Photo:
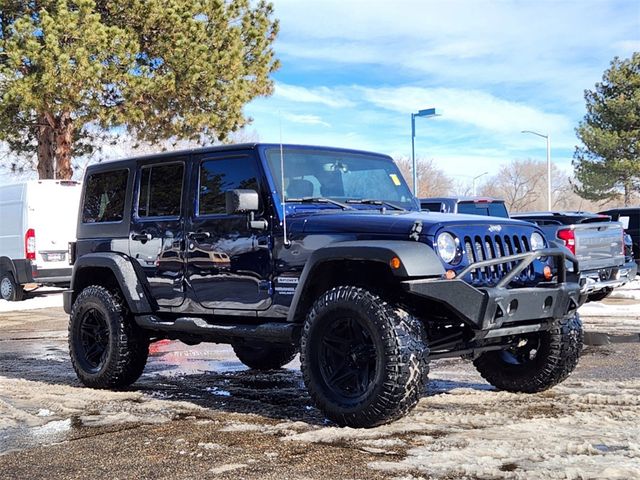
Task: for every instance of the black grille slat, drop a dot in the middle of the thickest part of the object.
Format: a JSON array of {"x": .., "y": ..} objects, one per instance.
[{"x": 478, "y": 249}]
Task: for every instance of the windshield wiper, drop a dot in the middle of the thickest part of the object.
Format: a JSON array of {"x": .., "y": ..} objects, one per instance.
[
  {"x": 343, "y": 206},
  {"x": 373, "y": 201}
]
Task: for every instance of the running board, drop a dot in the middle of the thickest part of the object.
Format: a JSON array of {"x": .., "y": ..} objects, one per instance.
[{"x": 199, "y": 329}]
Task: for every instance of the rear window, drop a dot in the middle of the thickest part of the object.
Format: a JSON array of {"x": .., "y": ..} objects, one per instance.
[
  {"x": 104, "y": 197},
  {"x": 431, "y": 206},
  {"x": 493, "y": 209}
]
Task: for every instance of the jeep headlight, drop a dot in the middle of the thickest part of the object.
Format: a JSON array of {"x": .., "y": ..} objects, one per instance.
[
  {"x": 448, "y": 248},
  {"x": 537, "y": 241}
]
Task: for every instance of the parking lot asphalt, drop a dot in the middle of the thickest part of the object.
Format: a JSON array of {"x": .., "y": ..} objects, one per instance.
[{"x": 197, "y": 412}]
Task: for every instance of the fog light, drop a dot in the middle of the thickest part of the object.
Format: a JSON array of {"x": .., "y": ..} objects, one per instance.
[{"x": 548, "y": 275}]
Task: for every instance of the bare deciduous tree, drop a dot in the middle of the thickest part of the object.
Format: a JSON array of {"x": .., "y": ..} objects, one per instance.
[
  {"x": 523, "y": 186},
  {"x": 432, "y": 182}
]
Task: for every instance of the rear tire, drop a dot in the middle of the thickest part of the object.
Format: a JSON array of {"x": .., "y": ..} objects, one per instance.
[
  {"x": 364, "y": 362},
  {"x": 543, "y": 360},
  {"x": 107, "y": 349},
  {"x": 10, "y": 290},
  {"x": 263, "y": 356}
]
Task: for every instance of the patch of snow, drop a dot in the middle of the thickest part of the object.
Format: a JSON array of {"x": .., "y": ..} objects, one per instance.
[
  {"x": 227, "y": 468},
  {"x": 19, "y": 397},
  {"x": 210, "y": 446},
  {"x": 218, "y": 391},
  {"x": 44, "y": 298}
]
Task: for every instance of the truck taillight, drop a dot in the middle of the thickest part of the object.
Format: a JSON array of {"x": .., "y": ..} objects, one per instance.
[
  {"x": 30, "y": 244},
  {"x": 568, "y": 236}
]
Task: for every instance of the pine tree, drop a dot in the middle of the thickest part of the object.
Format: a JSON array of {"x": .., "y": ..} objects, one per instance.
[
  {"x": 607, "y": 166},
  {"x": 158, "y": 69}
]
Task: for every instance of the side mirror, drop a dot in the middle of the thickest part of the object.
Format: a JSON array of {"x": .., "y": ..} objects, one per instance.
[{"x": 241, "y": 201}]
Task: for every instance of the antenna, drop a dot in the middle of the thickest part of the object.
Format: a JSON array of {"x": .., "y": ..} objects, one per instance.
[{"x": 284, "y": 204}]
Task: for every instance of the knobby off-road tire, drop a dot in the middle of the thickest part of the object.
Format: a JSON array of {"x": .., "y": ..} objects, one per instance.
[
  {"x": 10, "y": 290},
  {"x": 364, "y": 362},
  {"x": 263, "y": 356},
  {"x": 107, "y": 349},
  {"x": 545, "y": 360}
]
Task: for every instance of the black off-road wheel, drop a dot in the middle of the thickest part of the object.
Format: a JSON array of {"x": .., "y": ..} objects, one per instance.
[
  {"x": 537, "y": 361},
  {"x": 264, "y": 356},
  {"x": 10, "y": 290},
  {"x": 364, "y": 361},
  {"x": 107, "y": 349}
]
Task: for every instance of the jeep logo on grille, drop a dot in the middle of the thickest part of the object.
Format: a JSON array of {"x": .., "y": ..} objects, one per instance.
[{"x": 495, "y": 228}]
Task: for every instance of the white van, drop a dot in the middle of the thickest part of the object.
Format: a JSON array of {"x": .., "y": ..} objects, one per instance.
[{"x": 37, "y": 222}]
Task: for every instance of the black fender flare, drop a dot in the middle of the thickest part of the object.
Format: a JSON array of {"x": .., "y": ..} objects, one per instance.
[
  {"x": 124, "y": 271},
  {"x": 417, "y": 259},
  {"x": 6, "y": 265}
]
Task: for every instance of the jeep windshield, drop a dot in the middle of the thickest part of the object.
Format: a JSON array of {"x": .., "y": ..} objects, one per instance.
[{"x": 327, "y": 177}]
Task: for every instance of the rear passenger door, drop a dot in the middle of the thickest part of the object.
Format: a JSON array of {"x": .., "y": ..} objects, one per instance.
[
  {"x": 156, "y": 238},
  {"x": 228, "y": 264}
]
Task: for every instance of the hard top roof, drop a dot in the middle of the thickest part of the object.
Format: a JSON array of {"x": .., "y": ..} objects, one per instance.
[{"x": 222, "y": 148}]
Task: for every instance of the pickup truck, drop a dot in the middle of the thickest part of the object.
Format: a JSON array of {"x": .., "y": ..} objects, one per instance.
[
  {"x": 491, "y": 207},
  {"x": 597, "y": 243}
]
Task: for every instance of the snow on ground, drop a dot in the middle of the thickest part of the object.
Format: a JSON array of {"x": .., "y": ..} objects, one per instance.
[
  {"x": 578, "y": 430},
  {"x": 630, "y": 291},
  {"x": 25, "y": 403},
  {"x": 41, "y": 298}
]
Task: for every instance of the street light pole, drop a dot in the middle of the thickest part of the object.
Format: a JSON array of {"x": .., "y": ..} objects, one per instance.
[
  {"x": 473, "y": 189},
  {"x": 547, "y": 137},
  {"x": 427, "y": 112}
]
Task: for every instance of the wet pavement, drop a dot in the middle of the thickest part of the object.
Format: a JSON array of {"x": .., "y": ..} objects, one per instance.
[{"x": 197, "y": 412}]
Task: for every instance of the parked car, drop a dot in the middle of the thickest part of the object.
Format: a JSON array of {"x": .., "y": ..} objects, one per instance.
[
  {"x": 326, "y": 252},
  {"x": 630, "y": 219},
  {"x": 38, "y": 220},
  {"x": 597, "y": 243},
  {"x": 472, "y": 205}
]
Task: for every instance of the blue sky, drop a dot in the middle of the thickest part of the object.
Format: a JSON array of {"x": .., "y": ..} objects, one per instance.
[{"x": 353, "y": 71}]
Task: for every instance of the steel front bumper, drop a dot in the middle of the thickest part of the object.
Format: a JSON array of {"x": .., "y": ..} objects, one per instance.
[{"x": 501, "y": 307}]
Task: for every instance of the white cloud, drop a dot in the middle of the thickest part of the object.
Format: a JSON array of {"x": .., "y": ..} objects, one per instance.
[
  {"x": 321, "y": 95},
  {"x": 305, "y": 119},
  {"x": 474, "y": 107}
]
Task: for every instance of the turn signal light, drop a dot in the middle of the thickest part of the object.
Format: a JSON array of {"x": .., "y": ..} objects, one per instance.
[
  {"x": 548, "y": 275},
  {"x": 395, "y": 263},
  {"x": 450, "y": 275}
]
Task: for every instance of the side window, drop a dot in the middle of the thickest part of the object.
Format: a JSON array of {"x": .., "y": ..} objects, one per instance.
[
  {"x": 160, "y": 190},
  {"x": 104, "y": 197},
  {"x": 219, "y": 175}
]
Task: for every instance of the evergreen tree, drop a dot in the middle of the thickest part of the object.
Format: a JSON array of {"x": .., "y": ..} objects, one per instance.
[
  {"x": 607, "y": 166},
  {"x": 159, "y": 69}
]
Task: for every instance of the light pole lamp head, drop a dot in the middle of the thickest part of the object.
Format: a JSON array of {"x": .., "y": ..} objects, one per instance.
[{"x": 427, "y": 112}]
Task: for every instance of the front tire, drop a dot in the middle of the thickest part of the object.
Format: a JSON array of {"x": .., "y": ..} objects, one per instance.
[
  {"x": 262, "y": 356},
  {"x": 537, "y": 362},
  {"x": 10, "y": 290},
  {"x": 364, "y": 362},
  {"x": 107, "y": 349}
]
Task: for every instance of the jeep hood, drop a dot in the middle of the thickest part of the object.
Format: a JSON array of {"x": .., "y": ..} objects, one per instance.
[{"x": 391, "y": 223}]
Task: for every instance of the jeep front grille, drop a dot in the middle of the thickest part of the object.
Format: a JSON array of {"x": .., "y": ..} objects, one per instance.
[{"x": 479, "y": 248}]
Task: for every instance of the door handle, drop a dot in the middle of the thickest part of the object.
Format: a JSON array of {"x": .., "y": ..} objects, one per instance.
[
  {"x": 198, "y": 235},
  {"x": 141, "y": 237}
]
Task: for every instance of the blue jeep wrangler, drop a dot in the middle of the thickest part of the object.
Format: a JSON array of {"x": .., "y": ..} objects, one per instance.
[{"x": 285, "y": 249}]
